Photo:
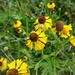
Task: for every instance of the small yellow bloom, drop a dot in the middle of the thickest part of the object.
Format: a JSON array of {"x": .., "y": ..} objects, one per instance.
[
  {"x": 18, "y": 30},
  {"x": 17, "y": 24},
  {"x": 51, "y": 5},
  {"x": 72, "y": 40},
  {"x": 17, "y": 67},
  {"x": 25, "y": 58},
  {"x": 3, "y": 64},
  {"x": 37, "y": 39},
  {"x": 43, "y": 23},
  {"x": 63, "y": 32}
]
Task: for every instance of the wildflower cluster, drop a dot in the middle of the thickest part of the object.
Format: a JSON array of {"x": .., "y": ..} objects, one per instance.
[
  {"x": 17, "y": 27},
  {"x": 16, "y": 67}
]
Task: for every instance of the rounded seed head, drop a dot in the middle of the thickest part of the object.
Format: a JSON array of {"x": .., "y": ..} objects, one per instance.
[
  {"x": 0, "y": 63},
  {"x": 33, "y": 37},
  {"x": 41, "y": 19},
  {"x": 13, "y": 72},
  {"x": 59, "y": 25}
]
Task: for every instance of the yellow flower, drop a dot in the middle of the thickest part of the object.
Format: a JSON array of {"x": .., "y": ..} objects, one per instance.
[
  {"x": 17, "y": 67},
  {"x": 17, "y": 24},
  {"x": 72, "y": 40},
  {"x": 18, "y": 30},
  {"x": 37, "y": 39},
  {"x": 51, "y": 5},
  {"x": 3, "y": 64},
  {"x": 25, "y": 58},
  {"x": 43, "y": 23},
  {"x": 63, "y": 32}
]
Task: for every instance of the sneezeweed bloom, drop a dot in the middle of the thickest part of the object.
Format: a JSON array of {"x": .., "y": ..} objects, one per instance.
[
  {"x": 72, "y": 41},
  {"x": 61, "y": 29},
  {"x": 51, "y": 5},
  {"x": 18, "y": 67},
  {"x": 25, "y": 58},
  {"x": 18, "y": 30},
  {"x": 17, "y": 24},
  {"x": 43, "y": 23},
  {"x": 37, "y": 39},
  {"x": 3, "y": 64}
]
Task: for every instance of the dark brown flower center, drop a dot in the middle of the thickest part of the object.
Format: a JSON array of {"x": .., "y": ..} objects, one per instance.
[
  {"x": 13, "y": 72},
  {"x": 41, "y": 19},
  {"x": 33, "y": 37},
  {"x": 50, "y": 3},
  {"x": 17, "y": 29},
  {"x": 0, "y": 63},
  {"x": 15, "y": 22},
  {"x": 59, "y": 25}
]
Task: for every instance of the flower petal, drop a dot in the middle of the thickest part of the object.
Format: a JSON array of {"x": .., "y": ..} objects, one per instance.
[
  {"x": 44, "y": 39},
  {"x": 42, "y": 34},
  {"x": 30, "y": 44},
  {"x": 18, "y": 63},
  {"x": 39, "y": 45},
  {"x": 11, "y": 65}
]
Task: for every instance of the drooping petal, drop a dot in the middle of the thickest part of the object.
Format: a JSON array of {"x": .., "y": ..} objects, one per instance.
[
  {"x": 30, "y": 44},
  {"x": 18, "y": 63},
  {"x": 36, "y": 21},
  {"x": 39, "y": 45},
  {"x": 53, "y": 30},
  {"x": 49, "y": 20},
  {"x": 67, "y": 29},
  {"x": 64, "y": 36},
  {"x": 37, "y": 26},
  {"x": 11, "y": 65},
  {"x": 44, "y": 39},
  {"x": 23, "y": 68},
  {"x": 47, "y": 17},
  {"x": 26, "y": 74},
  {"x": 48, "y": 25},
  {"x": 22, "y": 71},
  {"x": 72, "y": 40},
  {"x": 42, "y": 34}
]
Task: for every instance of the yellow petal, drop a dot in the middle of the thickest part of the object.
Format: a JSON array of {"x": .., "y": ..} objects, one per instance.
[
  {"x": 44, "y": 39},
  {"x": 26, "y": 74},
  {"x": 11, "y": 65},
  {"x": 18, "y": 63},
  {"x": 37, "y": 26},
  {"x": 47, "y": 17},
  {"x": 23, "y": 71},
  {"x": 53, "y": 30},
  {"x": 4, "y": 64},
  {"x": 42, "y": 34},
  {"x": 1, "y": 59},
  {"x": 30, "y": 44},
  {"x": 39, "y": 45},
  {"x": 49, "y": 20},
  {"x": 23, "y": 68},
  {"x": 72, "y": 40},
  {"x": 64, "y": 36},
  {"x": 48, "y": 25},
  {"x": 36, "y": 21}
]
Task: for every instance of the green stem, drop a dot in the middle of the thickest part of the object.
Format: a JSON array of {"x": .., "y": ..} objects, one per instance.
[{"x": 36, "y": 71}]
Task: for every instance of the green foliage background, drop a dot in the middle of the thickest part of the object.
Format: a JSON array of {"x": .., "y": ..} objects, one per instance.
[{"x": 58, "y": 57}]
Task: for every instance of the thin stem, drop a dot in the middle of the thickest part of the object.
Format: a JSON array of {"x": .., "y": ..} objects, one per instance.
[
  {"x": 36, "y": 71},
  {"x": 12, "y": 41},
  {"x": 6, "y": 55}
]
